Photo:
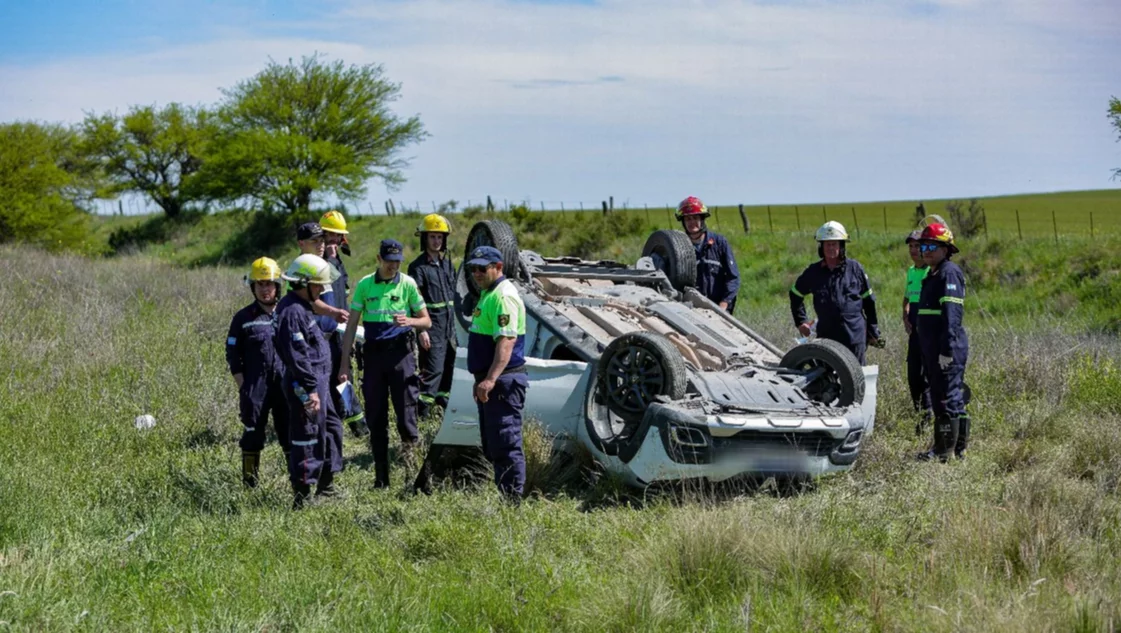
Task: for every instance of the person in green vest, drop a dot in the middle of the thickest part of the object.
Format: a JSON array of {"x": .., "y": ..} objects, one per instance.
[
  {"x": 390, "y": 307},
  {"x": 916, "y": 379}
]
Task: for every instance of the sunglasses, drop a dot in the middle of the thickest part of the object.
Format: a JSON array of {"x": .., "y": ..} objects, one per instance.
[
  {"x": 928, "y": 248},
  {"x": 477, "y": 269}
]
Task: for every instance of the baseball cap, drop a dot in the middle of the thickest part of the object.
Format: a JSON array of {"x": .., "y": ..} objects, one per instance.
[
  {"x": 485, "y": 255},
  {"x": 392, "y": 251},
  {"x": 309, "y": 230}
]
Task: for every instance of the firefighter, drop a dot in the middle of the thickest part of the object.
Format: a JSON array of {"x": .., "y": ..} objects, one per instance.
[
  {"x": 943, "y": 341},
  {"x": 256, "y": 368},
  {"x": 389, "y": 305},
  {"x": 718, "y": 277},
  {"x": 435, "y": 278},
  {"x": 315, "y": 431},
  {"x": 843, "y": 299},
  {"x": 311, "y": 240},
  {"x": 916, "y": 380},
  {"x": 335, "y": 237},
  {"x": 496, "y": 357}
]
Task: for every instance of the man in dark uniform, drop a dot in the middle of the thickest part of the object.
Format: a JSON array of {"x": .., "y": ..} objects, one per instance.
[
  {"x": 916, "y": 380},
  {"x": 944, "y": 343},
  {"x": 496, "y": 357},
  {"x": 843, "y": 299},
  {"x": 334, "y": 233},
  {"x": 718, "y": 277},
  {"x": 315, "y": 431},
  {"x": 435, "y": 278},
  {"x": 257, "y": 369},
  {"x": 389, "y": 306}
]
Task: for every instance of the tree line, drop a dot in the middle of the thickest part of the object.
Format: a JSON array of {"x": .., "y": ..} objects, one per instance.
[{"x": 280, "y": 141}]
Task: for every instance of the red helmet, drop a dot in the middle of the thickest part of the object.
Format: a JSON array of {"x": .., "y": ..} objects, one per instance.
[
  {"x": 692, "y": 206},
  {"x": 939, "y": 234}
]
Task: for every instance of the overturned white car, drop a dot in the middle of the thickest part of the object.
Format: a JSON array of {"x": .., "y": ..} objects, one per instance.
[{"x": 656, "y": 381}]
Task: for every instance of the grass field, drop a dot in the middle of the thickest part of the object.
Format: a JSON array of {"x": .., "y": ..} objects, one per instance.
[{"x": 104, "y": 527}]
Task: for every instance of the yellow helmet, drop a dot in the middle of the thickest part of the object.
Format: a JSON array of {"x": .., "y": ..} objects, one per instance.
[
  {"x": 433, "y": 223},
  {"x": 334, "y": 222},
  {"x": 264, "y": 269}
]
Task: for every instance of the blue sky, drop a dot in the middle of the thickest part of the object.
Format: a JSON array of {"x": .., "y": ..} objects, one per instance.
[{"x": 763, "y": 102}]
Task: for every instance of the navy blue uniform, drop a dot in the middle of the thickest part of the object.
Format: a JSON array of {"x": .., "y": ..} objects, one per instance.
[
  {"x": 317, "y": 440},
  {"x": 941, "y": 310},
  {"x": 843, "y": 301},
  {"x": 718, "y": 277},
  {"x": 500, "y": 314},
  {"x": 436, "y": 281},
  {"x": 250, "y": 351}
]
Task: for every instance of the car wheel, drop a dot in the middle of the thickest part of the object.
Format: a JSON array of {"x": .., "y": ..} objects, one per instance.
[
  {"x": 636, "y": 368},
  {"x": 842, "y": 382},
  {"x": 673, "y": 254}
]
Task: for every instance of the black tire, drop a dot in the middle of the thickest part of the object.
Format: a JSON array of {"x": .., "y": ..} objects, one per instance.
[
  {"x": 498, "y": 234},
  {"x": 634, "y": 369},
  {"x": 678, "y": 257},
  {"x": 494, "y": 233},
  {"x": 843, "y": 382}
]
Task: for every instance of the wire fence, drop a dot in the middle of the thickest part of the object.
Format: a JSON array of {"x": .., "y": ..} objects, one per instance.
[{"x": 1019, "y": 217}]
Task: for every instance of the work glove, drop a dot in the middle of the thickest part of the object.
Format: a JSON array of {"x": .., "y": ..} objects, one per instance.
[{"x": 945, "y": 361}]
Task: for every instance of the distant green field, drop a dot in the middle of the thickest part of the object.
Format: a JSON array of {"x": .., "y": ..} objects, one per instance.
[{"x": 1074, "y": 212}]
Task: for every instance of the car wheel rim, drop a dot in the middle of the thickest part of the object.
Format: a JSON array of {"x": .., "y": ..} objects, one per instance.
[{"x": 634, "y": 378}]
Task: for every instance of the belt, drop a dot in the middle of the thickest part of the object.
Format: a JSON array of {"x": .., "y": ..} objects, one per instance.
[
  {"x": 520, "y": 369},
  {"x": 401, "y": 340}
]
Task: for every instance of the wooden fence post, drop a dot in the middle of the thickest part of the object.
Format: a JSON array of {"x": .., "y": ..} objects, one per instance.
[
  {"x": 770, "y": 220},
  {"x": 1091, "y": 225},
  {"x": 885, "y": 219},
  {"x": 797, "y": 217},
  {"x": 1019, "y": 231},
  {"x": 604, "y": 207},
  {"x": 824, "y": 217},
  {"x": 855, "y": 223},
  {"x": 747, "y": 225},
  {"x": 716, "y": 214},
  {"x": 1055, "y": 225},
  {"x": 647, "y": 208}
]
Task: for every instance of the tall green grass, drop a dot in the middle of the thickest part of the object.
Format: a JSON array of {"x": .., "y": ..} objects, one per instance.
[{"x": 104, "y": 527}]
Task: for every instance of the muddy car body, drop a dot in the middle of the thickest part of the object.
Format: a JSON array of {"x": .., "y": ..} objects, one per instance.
[{"x": 634, "y": 365}]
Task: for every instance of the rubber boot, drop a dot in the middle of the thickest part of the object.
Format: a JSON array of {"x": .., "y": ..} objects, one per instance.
[
  {"x": 326, "y": 485},
  {"x": 250, "y": 468},
  {"x": 301, "y": 496},
  {"x": 945, "y": 435},
  {"x": 381, "y": 474},
  {"x": 359, "y": 428},
  {"x": 963, "y": 436}
]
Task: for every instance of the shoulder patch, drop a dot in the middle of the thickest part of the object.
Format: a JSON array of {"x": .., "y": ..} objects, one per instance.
[
  {"x": 231, "y": 340},
  {"x": 503, "y": 320},
  {"x": 951, "y": 286}
]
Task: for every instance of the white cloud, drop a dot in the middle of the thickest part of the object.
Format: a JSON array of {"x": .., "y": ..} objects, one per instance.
[{"x": 929, "y": 97}]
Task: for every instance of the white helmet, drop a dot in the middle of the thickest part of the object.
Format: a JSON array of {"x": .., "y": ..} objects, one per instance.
[
  {"x": 310, "y": 269},
  {"x": 831, "y": 231}
]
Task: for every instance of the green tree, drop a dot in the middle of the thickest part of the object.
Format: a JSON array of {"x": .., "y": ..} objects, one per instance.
[
  {"x": 43, "y": 181},
  {"x": 154, "y": 152},
  {"x": 295, "y": 132},
  {"x": 1115, "y": 119}
]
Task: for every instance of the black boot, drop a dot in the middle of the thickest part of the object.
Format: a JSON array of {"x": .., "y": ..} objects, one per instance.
[
  {"x": 359, "y": 428},
  {"x": 326, "y": 486},
  {"x": 945, "y": 436},
  {"x": 963, "y": 436},
  {"x": 250, "y": 468},
  {"x": 381, "y": 474},
  {"x": 301, "y": 496}
]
